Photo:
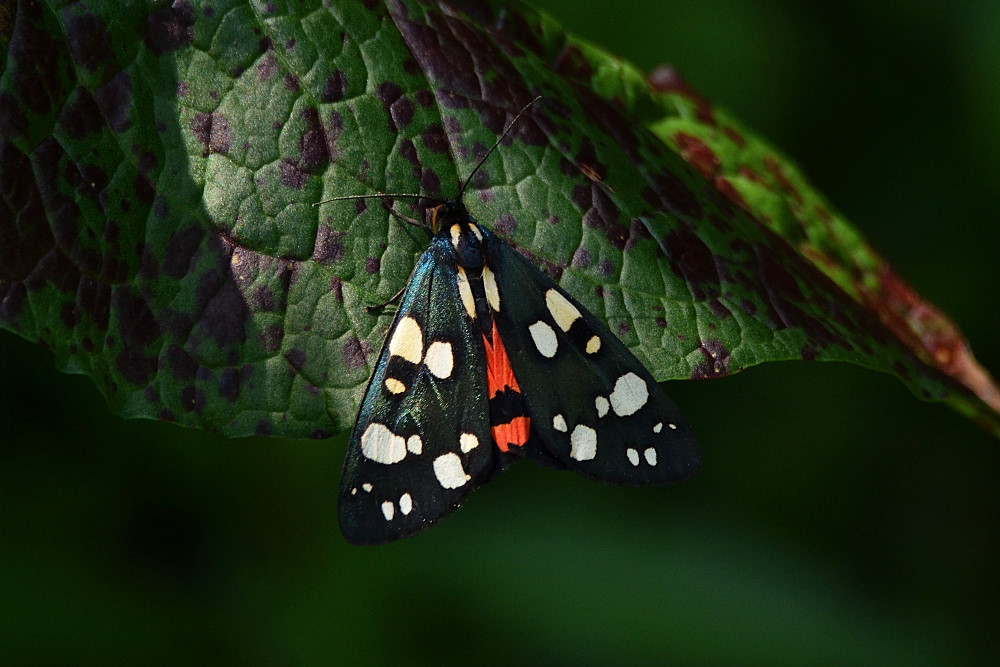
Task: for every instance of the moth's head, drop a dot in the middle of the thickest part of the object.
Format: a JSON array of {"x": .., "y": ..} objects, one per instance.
[{"x": 445, "y": 214}]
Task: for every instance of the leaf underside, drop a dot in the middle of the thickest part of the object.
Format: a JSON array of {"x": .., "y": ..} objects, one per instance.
[{"x": 159, "y": 170}]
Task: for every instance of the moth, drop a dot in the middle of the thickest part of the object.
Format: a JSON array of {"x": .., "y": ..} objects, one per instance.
[{"x": 487, "y": 361}]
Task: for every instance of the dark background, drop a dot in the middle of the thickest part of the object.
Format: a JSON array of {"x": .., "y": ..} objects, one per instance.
[{"x": 836, "y": 520}]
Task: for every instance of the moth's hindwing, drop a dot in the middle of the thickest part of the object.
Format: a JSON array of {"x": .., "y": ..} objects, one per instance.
[
  {"x": 421, "y": 442},
  {"x": 595, "y": 407}
]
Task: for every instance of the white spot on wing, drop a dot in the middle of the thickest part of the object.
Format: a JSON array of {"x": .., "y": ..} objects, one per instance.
[
  {"x": 467, "y": 442},
  {"x": 633, "y": 456},
  {"x": 492, "y": 293},
  {"x": 440, "y": 361},
  {"x": 583, "y": 443},
  {"x": 466, "y": 293},
  {"x": 658, "y": 427},
  {"x": 405, "y": 504},
  {"x": 407, "y": 340},
  {"x": 381, "y": 445},
  {"x": 449, "y": 471},
  {"x": 394, "y": 386},
  {"x": 650, "y": 455},
  {"x": 388, "y": 510},
  {"x": 545, "y": 339},
  {"x": 629, "y": 395},
  {"x": 414, "y": 444},
  {"x": 594, "y": 344},
  {"x": 367, "y": 487},
  {"x": 563, "y": 312},
  {"x": 559, "y": 423},
  {"x": 602, "y": 406},
  {"x": 673, "y": 426}
]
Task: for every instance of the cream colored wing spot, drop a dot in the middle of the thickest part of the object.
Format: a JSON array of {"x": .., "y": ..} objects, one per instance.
[
  {"x": 650, "y": 456},
  {"x": 545, "y": 339},
  {"x": 467, "y": 442},
  {"x": 465, "y": 291},
  {"x": 583, "y": 443},
  {"x": 407, "y": 340},
  {"x": 381, "y": 445},
  {"x": 449, "y": 471},
  {"x": 562, "y": 311},
  {"x": 440, "y": 360},
  {"x": 492, "y": 292},
  {"x": 629, "y": 395}
]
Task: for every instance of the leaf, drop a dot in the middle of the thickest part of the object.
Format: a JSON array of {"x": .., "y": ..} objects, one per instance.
[{"x": 159, "y": 169}]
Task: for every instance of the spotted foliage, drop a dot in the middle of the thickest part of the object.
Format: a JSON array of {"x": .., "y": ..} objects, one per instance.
[{"x": 158, "y": 166}]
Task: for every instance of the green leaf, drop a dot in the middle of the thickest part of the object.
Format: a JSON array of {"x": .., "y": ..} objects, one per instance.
[{"x": 160, "y": 166}]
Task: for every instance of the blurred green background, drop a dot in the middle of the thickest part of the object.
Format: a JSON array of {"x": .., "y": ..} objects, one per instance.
[{"x": 837, "y": 520}]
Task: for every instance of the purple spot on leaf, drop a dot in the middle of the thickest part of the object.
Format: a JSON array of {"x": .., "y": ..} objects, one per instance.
[
  {"x": 581, "y": 258},
  {"x": 353, "y": 354},
  {"x": 435, "y": 139},
  {"x": 297, "y": 359},
  {"x": 267, "y": 68},
  {"x": 88, "y": 41},
  {"x": 270, "y": 338},
  {"x": 334, "y": 87},
  {"x": 224, "y": 316},
  {"x": 313, "y": 151},
  {"x": 81, "y": 115},
  {"x": 505, "y": 224},
  {"x": 263, "y": 299},
  {"x": 424, "y": 98},
  {"x": 716, "y": 361},
  {"x": 430, "y": 181},
  {"x": 329, "y": 245},
  {"x": 670, "y": 192},
  {"x": 180, "y": 251},
  {"x": 719, "y": 309},
  {"x": 182, "y": 365},
  {"x": 170, "y": 28},
  {"x": 213, "y": 132},
  {"x": 229, "y": 384},
  {"x": 337, "y": 288},
  {"x": 692, "y": 260},
  {"x": 292, "y": 175},
  {"x": 402, "y": 112},
  {"x": 408, "y": 151}
]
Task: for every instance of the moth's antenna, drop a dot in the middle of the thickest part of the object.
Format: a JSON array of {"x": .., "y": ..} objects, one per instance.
[
  {"x": 379, "y": 195},
  {"x": 505, "y": 133}
]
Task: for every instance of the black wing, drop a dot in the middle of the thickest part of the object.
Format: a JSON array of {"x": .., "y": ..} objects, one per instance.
[
  {"x": 594, "y": 406},
  {"x": 421, "y": 442}
]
